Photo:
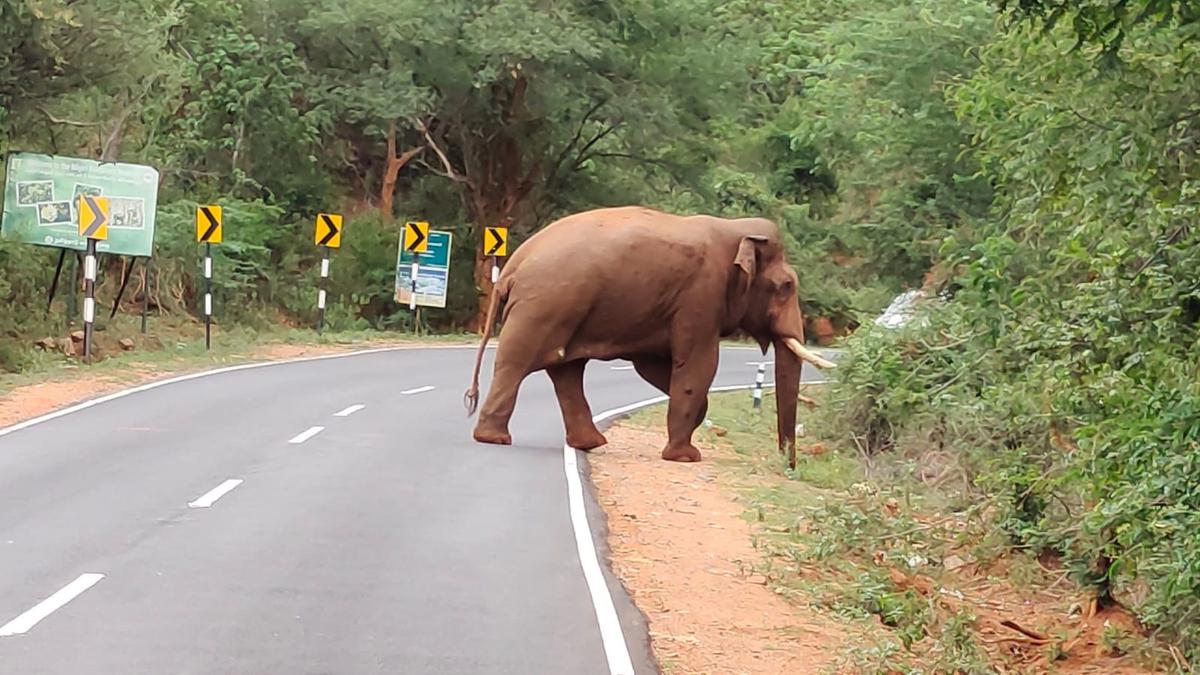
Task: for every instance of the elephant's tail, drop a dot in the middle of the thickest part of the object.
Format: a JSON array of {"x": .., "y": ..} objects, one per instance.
[{"x": 471, "y": 398}]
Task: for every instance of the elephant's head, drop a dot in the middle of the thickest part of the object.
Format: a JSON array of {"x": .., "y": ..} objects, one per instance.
[{"x": 762, "y": 302}]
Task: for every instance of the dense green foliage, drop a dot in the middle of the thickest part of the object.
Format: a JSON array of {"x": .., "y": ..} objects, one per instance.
[{"x": 1062, "y": 373}]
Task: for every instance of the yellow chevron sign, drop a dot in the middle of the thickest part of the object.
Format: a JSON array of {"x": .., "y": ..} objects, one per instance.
[
  {"x": 93, "y": 217},
  {"x": 209, "y": 224}
]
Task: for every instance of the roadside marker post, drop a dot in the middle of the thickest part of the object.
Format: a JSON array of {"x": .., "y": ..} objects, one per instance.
[
  {"x": 416, "y": 241},
  {"x": 209, "y": 230},
  {"x": 328, "y": 236},
  {"x": 758, "y": 386},
  {"x": 93, "y": 225}
]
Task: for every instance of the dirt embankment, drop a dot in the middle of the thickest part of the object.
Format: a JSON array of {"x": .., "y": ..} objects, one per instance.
[
  {"x": 681, "y": 547},
  {"x": 684, "y": 550}
]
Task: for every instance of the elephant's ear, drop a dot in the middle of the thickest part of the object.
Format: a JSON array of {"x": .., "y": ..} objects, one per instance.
[{"x": 741, "y": 278}]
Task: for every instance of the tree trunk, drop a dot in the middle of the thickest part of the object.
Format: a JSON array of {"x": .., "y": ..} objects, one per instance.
[
  {"x": 483, "y": 282},
  {"x": 391, "y": 171}
]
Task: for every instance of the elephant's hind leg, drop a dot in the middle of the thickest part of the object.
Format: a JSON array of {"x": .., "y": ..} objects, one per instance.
[
  {"x": 526, "y": 345},
  {"x": 510, "y": 370},
  {"x": 582, "y": 433}
]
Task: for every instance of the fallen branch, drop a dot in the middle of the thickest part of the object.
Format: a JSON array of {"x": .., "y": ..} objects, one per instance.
[
  {"x": 1009, "y": 623},
  {"x": 810, "y": 402}
]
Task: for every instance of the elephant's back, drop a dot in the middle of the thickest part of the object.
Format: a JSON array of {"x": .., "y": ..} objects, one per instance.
[
  {"x": 608, "y": 236},
  {"x": 595, "y": 259}
]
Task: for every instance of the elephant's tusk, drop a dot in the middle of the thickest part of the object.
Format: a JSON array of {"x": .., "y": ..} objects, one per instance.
[{"x": 801, "y": 351}]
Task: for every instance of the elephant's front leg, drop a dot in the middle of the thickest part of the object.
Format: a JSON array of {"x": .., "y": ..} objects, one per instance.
[
  {"x": 582, "y": 433},
  {"x": 691, "y": 376}
]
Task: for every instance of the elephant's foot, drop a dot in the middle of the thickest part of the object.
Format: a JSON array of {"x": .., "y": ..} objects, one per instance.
[
  {"x": 585, "y": 439},
  {"x": 483, "y": 434},
  {"x": 681, "y": 453}
]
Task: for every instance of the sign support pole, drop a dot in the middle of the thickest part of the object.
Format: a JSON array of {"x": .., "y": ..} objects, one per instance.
[
  {"x": 62, "y": 255},
  {"x": 147, "y": 268},
  {"x": 73, "y": 291},
  {"x": 321, "y": 289},
  {"x": 89, "y": 298},
  {"x": 125, "y": 274},
  {"x": 412, "y": 296},
  {"x": 208, "y": 272}
]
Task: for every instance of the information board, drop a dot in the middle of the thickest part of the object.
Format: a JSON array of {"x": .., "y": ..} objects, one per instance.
[
  {"x": 433, "y": 271},
  {"x": 41, "y": 197}
]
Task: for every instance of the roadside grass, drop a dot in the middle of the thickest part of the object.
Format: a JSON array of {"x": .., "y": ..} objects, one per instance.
[
  {"x": 174, "y": 343},
  {"x": 915, "y": 569}
]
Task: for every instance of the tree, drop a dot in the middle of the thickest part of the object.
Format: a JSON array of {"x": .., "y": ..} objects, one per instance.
[{"x": 513, "y": 98}]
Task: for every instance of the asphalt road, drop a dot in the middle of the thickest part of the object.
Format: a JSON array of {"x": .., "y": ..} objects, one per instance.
[{"x": 236, "y": 523}]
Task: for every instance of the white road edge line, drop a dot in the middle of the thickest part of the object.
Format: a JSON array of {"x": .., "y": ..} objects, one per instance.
[
  {"x": 349, "y": 410},
  {"x": 45, "y": 608},
  {"x": 208, "y": 373},
  {"x": 611, "y": 634},
  {"x": 418, "y": 390},
  {"x": 214, "y": 494},
  {"x": 306, "y": 434}
]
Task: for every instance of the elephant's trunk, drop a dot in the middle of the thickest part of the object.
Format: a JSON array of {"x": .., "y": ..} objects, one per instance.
[{"x": 787, "y": 391}]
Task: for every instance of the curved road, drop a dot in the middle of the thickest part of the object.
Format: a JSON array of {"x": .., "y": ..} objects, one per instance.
[{"x": 322, "y": 516}]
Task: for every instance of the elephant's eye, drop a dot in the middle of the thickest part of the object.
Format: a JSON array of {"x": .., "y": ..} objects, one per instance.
[{"x": 786, "y": 286}]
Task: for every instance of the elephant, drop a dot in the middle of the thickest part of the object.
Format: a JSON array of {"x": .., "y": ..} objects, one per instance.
[{"x": 654, "y": 288}]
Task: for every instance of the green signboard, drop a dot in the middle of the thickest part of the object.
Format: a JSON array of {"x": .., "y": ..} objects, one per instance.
[
  {"x": 41, "y": 195},
  {"x": 433, "y": 271}
]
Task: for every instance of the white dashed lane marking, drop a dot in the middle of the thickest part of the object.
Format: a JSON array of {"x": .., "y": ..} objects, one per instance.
[
  {"x": 45, "y": 608},
  {"x": 214, "y": 494},
  {"x": 307, "y": 434},
  {"x": 418, "y": 390},
  {"x": 349, "y": 411}
]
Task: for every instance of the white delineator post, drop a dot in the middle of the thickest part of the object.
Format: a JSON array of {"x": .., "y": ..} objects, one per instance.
[
  {"x": 758, "y": 386},
  {"x": 412, "y": 296},
  {"x": 89, "y": 298},
  {"x": 321, "y": 290},
  {"x": 208, "y": 267}
]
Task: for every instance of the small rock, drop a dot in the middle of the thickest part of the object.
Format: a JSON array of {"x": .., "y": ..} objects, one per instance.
[
  {"x": 77, "y": 336},
  {"x": 953, "y": 562},
  {"x": 67, "y": 346},
  {"x": 816, "y": 449},
  {"x": 891, "y": 507},
  {"x": 720, "y": 431},
  {"x": 126, "y": 344}
]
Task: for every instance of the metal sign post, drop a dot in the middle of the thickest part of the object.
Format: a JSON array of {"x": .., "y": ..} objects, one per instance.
[
  {"x": 416, "y": 241},
  {"x": 328, "y": 235},
  {"x": 321, "y": 289},
  {"x": 210, "y": 229},
  {"x": 93, "y": 225}
]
